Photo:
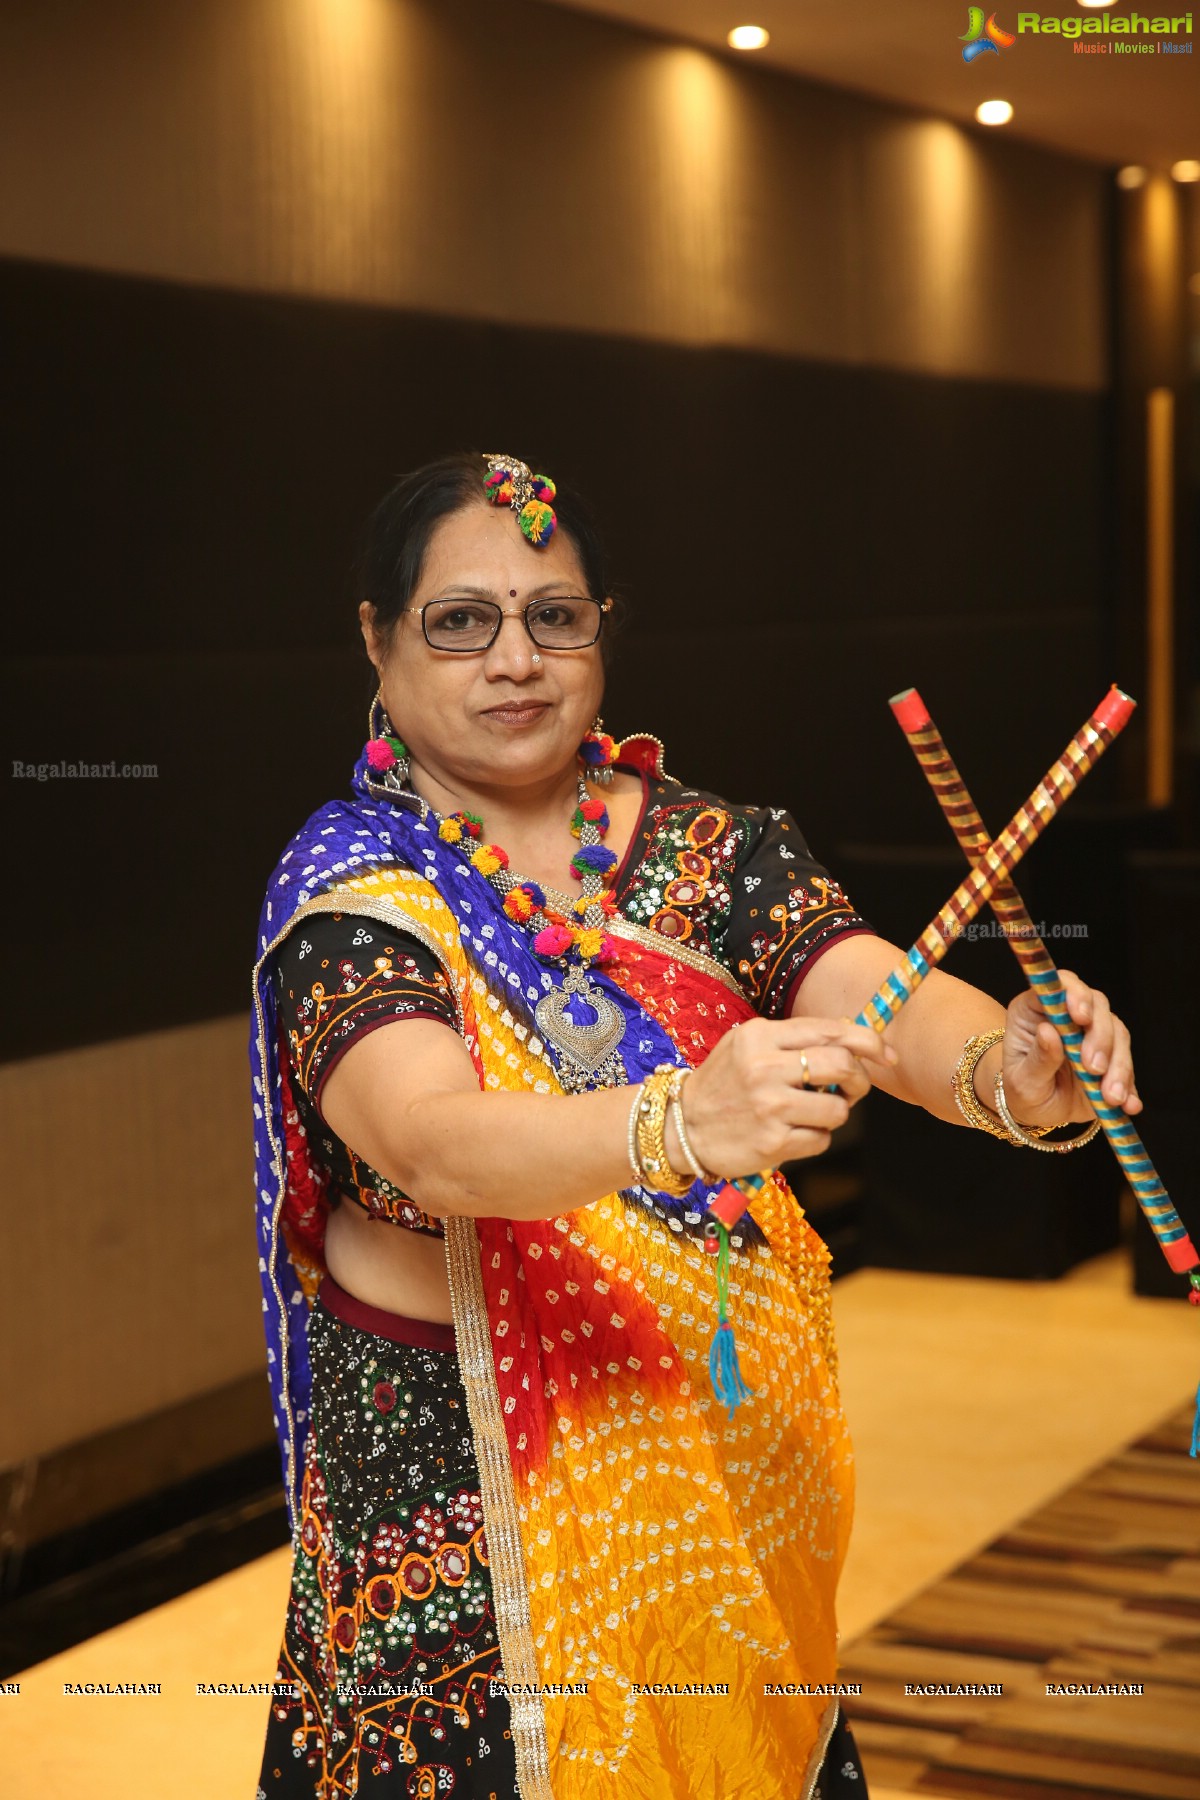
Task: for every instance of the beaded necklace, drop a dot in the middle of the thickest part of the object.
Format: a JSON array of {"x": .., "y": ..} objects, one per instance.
[{"x": 577, "y": 1018}]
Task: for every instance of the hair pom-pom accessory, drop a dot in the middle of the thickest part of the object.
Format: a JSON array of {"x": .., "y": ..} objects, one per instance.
[
  {"x": 510, "y": 482},
  {"x": 498, "y": 486},
  {"x": 537, "y": 522}
]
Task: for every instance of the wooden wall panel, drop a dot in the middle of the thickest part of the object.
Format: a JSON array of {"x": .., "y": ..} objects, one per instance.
[
  {"x": 796, "y": 539},
  {"x": 126, "y": 1233},
  {"x": 547, "y": 169}
]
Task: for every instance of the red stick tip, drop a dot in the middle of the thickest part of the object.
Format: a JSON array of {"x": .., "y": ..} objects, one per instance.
[
  {"x": 728, "y": 1205},
  {"x": 1115, "y": 709},
  {"x": 910, "y": 711},
  {"x": 1181, "y": 1255}
]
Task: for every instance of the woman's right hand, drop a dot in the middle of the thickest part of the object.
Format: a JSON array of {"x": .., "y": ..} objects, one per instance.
[{"x": 758, "y": 1100}]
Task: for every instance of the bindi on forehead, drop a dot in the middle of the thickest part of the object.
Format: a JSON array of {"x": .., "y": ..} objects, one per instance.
[{"x": 512, "y": 593}]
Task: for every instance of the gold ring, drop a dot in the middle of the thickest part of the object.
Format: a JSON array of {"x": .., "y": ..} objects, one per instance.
[{"x": 804, "y": 1078}]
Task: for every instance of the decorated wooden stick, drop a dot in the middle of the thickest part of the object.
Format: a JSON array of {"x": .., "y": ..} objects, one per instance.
[
  {"x": 992, "y": 865},
  {"x": 1043, "y": 977},
  {"x": 994, "y": 861}
]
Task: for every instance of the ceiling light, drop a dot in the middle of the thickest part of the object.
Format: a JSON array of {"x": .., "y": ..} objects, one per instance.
[
  {"x": 1187, "y": 170},
  {"x": 1131, "y": 176},
  {"x": 748, "y": 37},
  {"x": 1095, "y": 2},
  {"x": 993, "y": 112}
]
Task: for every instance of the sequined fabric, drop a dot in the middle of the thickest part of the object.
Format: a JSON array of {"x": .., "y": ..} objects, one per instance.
[{"x": 391, "y": 1638}]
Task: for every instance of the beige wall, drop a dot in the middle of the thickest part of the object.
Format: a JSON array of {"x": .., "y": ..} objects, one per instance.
[
  {"x": 535, "y": 165},
  {"x": 126, "y": 1233}
]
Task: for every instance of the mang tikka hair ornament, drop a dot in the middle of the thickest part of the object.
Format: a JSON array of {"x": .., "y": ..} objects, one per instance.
[{"x": 510, "y": 482}]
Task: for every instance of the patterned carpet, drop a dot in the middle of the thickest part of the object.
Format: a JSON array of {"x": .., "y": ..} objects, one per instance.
[{"x": 1100, "y": 1587}]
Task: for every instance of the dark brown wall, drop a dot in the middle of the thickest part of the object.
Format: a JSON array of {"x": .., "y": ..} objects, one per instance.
[{"x": 796, "y": 541}]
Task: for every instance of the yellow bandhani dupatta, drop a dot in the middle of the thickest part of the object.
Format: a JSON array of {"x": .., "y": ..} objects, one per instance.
[{"x": 663, "y": 1575}]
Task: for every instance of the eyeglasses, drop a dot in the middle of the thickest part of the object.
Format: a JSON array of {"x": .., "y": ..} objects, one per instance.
[{"x": 554, "y": 622}]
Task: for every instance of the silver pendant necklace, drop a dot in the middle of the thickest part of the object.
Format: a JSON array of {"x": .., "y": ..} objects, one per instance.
[
  {"x": 578, "y": 1019},
  {"x": 588, "y": 1049}
]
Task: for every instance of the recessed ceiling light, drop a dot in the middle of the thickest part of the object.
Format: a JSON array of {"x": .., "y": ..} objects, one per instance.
[
  {"x": 1131, "y": 176},
  {"x": 993, "y": 112},
  {"x": 1187, "y": 170},
  {"x": 748, "y": 37},
  {"x": 1095, "y": 2}
]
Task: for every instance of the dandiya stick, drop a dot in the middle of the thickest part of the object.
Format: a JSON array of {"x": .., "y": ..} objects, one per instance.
[
  {"x": 1043, "y": 977},
  {"x": 992, "y": 866},
  {"x": 994, "y": 861}
]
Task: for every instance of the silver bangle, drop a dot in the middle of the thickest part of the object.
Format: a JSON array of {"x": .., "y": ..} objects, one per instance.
[
  {"x": 1021, "y": 1135},
  {"x": 689, "y": 1155}
]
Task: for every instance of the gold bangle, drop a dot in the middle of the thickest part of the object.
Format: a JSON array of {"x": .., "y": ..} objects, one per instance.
[
  {"x": 1021, "y": 1134},
  {"x": 962, "y": 1084},
  {"x": 689, "y": 1155},
  {"x": 657, "y": 1171},
  {"x": 631, "y": 1141}
]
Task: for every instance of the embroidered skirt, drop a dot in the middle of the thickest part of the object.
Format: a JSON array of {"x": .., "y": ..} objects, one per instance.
[
  {"x": 390, "y": 1647},
  {"x": 384, "y": 1683}
]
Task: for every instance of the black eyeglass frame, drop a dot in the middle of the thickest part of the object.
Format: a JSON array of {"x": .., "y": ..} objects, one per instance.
[{"x": 602, "y": 607}]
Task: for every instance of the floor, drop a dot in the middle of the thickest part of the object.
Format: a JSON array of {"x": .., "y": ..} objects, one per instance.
[
  {"x": 972, "y": 1401},
  {"x": 1097, "y": 1588}
]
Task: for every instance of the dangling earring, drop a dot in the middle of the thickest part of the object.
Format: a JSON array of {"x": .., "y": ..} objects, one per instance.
[
  {"x": 597, "y": 753},
  {"x": 387, "y": 754}
]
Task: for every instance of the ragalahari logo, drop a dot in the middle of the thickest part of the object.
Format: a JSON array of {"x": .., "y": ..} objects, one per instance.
[{"x": 982, "y": 35}]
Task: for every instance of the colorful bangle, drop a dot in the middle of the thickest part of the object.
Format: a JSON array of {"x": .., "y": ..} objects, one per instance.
[
  {"x": 1021, "y": 1134},
  {"x": 657, "y": 1172},
  {"x": 689, "y": 1155}
]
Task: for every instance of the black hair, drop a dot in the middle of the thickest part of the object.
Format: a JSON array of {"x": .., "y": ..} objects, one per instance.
[{"x": 396, "y": 538}]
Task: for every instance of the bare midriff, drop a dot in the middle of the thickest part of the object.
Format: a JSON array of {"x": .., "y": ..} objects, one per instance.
[
  {"x": 388, "y": 1266},
  {"x": 404, "y": 1271}
]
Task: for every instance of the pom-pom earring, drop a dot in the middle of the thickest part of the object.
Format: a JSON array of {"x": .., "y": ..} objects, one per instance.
[
  {"x": 386, "y": 751},
  {"x": 598, "y": 753}
]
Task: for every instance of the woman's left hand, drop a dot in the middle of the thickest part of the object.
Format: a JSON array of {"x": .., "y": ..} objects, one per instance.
[{"x": 1038, "y": 1081}]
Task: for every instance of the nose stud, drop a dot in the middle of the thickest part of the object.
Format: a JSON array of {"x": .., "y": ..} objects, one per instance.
[{"x": 535, "y": 657}]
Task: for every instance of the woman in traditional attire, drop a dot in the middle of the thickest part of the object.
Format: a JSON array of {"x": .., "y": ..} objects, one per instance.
[{"x": 570, "y": 1491}]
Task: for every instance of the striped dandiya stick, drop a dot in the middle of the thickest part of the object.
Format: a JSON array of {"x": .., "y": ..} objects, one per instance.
[
  {"x": 1039, "y": 970},
  {"x": 992, "y": 864},
  {"x": 994, "y": 861}
]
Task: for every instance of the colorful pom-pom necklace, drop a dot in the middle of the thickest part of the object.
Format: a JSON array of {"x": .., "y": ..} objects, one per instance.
[
  {"x": 577, "y": 1018},
  {"x": 558, "y": 937},
  {"x": 581, "y": 939},
  {"x": 510, "y": 482}
]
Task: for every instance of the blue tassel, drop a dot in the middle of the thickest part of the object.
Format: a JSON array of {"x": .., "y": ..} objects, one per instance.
[
  {"x": 1195, "y": 1451},
  {"x": 723, "y": 1369}
]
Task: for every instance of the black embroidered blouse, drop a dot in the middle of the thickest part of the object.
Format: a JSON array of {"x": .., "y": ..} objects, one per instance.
[{"x": 737, "y": 883}]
